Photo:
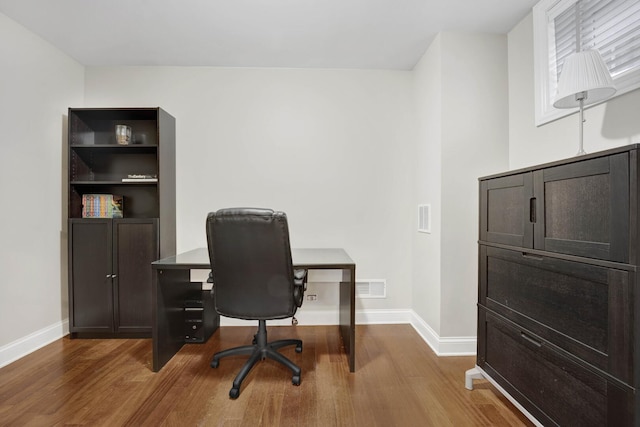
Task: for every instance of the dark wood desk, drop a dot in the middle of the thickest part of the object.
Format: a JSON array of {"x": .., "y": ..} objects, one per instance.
[{"x": 171, "y": 284}]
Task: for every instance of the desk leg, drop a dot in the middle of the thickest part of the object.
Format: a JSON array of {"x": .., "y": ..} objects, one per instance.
[
  {"x": 348, "y": 314},
  {"x": 169, "y": 289}
]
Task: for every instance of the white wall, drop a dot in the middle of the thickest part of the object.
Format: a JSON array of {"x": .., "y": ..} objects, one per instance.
[
  {"x": 332, "y": 148},
  {"x": 38, "y": 84},
  {"x": 474, "y": 144},
  {"x": 610, "y": 124},
  {"x": 349, "y": 154},
  {"x": 426, "y": 288},
  {"x": 461, "y": 90}
]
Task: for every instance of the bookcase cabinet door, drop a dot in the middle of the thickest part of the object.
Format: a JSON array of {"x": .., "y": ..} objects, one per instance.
[
  {"x": 583, "y": 208},
  {"x": 110, "y": 265},
  {"x": 135, "y": 247},
  {"x": 90, "y": 284},
  {"x": 505, "y": 213}
]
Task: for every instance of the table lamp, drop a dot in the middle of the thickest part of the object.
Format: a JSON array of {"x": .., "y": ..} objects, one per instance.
[{"x": 585, "y": 80}]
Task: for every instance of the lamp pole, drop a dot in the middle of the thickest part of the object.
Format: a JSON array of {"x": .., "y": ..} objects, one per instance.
[{"x": 581, "y": 97}]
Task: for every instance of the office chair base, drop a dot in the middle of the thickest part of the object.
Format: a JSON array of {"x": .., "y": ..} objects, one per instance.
[{"x": 259, "y": 350}]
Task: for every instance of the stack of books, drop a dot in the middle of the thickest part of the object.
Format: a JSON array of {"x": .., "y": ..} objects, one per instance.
[{"x": 101, "y": 206}]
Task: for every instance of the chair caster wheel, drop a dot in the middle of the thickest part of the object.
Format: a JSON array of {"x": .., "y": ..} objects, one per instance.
[
  {"x": 234, "y": 393},
  {"x": 296, "y": 380},
  {"x": 299, "y": 349},
  {"x": 215, "y": 363}
]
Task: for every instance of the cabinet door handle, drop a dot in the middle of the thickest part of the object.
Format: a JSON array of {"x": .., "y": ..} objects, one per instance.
[
  {"x": 532, "y": 209},
  {"x": 108, "y": 276},
  {"x": 113, "y": 276},
  {"x": 530, "y": 340}
]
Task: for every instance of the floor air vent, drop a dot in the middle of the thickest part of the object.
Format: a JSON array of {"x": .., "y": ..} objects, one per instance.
[{"x": 371, "y": 289}]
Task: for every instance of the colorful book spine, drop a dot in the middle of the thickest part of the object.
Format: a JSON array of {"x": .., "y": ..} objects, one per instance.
[{"x": 102, "y": 206}]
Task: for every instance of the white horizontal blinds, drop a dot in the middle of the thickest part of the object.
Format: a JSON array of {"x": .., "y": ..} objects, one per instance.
[
  {"x": 565, "y": 36},
  {"x": 562, "y": 41},
  {"x": 610, "y": 26},
  {"x": 618, "y": 40}
]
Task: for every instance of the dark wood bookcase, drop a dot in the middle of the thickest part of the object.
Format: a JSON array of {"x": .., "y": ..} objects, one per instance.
[
  {"x": 110, "y": 258},
  {"x": 558, "y": 300}
]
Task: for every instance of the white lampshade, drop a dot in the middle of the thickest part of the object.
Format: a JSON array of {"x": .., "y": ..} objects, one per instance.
[{"x": 584, "y": 72}]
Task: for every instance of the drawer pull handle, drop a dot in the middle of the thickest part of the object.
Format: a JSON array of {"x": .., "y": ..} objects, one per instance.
[
  {"x": 530, "y": 340},
  {"x": 532, "y": 256}
]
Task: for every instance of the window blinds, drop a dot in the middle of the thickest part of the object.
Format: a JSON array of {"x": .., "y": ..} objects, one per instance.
[{"x": 610, "y": 26}]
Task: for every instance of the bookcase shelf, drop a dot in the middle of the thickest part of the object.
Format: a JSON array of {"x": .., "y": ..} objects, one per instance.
[{"x": 120, "y": 182}]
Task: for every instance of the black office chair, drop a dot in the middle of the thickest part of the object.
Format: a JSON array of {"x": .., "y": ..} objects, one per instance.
[{"x": 253, "y": 278}]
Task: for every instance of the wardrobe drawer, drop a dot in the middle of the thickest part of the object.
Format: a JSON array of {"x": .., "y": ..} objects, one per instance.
[
  {"x": 583, "y": 308},
  {"x": 553, "y": 386}
]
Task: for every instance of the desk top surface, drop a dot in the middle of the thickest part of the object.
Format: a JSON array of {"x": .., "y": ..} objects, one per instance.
[{"x": 323, "y": 258}]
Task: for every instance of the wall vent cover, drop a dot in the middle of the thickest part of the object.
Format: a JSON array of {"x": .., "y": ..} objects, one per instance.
[
  {"x": 371, "y": 288},
  {"x": 424, "y": 218}
]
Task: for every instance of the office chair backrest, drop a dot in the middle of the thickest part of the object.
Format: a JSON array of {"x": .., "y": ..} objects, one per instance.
[{"x": 250, "y": 258}]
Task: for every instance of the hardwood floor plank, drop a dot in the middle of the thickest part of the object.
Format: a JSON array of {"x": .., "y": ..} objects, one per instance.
[{"x": 398, "y": 381}]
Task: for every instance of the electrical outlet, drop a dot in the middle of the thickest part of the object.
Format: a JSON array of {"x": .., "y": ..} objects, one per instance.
[{"x": 312, "y": 297}]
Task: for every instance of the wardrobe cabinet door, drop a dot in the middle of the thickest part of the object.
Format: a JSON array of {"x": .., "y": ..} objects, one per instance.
[
  {"x": 506, "y": 210},
  {"x": 583, "y": 208}
]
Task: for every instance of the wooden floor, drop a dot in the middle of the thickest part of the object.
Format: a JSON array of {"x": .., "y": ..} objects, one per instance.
[{"x": 398, "y": 382}]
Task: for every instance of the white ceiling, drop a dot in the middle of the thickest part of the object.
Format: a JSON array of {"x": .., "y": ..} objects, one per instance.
[{"x": 371, "y": 34}]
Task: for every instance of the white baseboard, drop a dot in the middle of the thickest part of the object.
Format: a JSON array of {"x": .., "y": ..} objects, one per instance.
[
  {"x": 330, "y": 317},
  {"x": 382, "y": 317},
  {"x": 305, "y": 318},
  {"x": 442, "y": 346},
  {"x": 32, "y": 342}
]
